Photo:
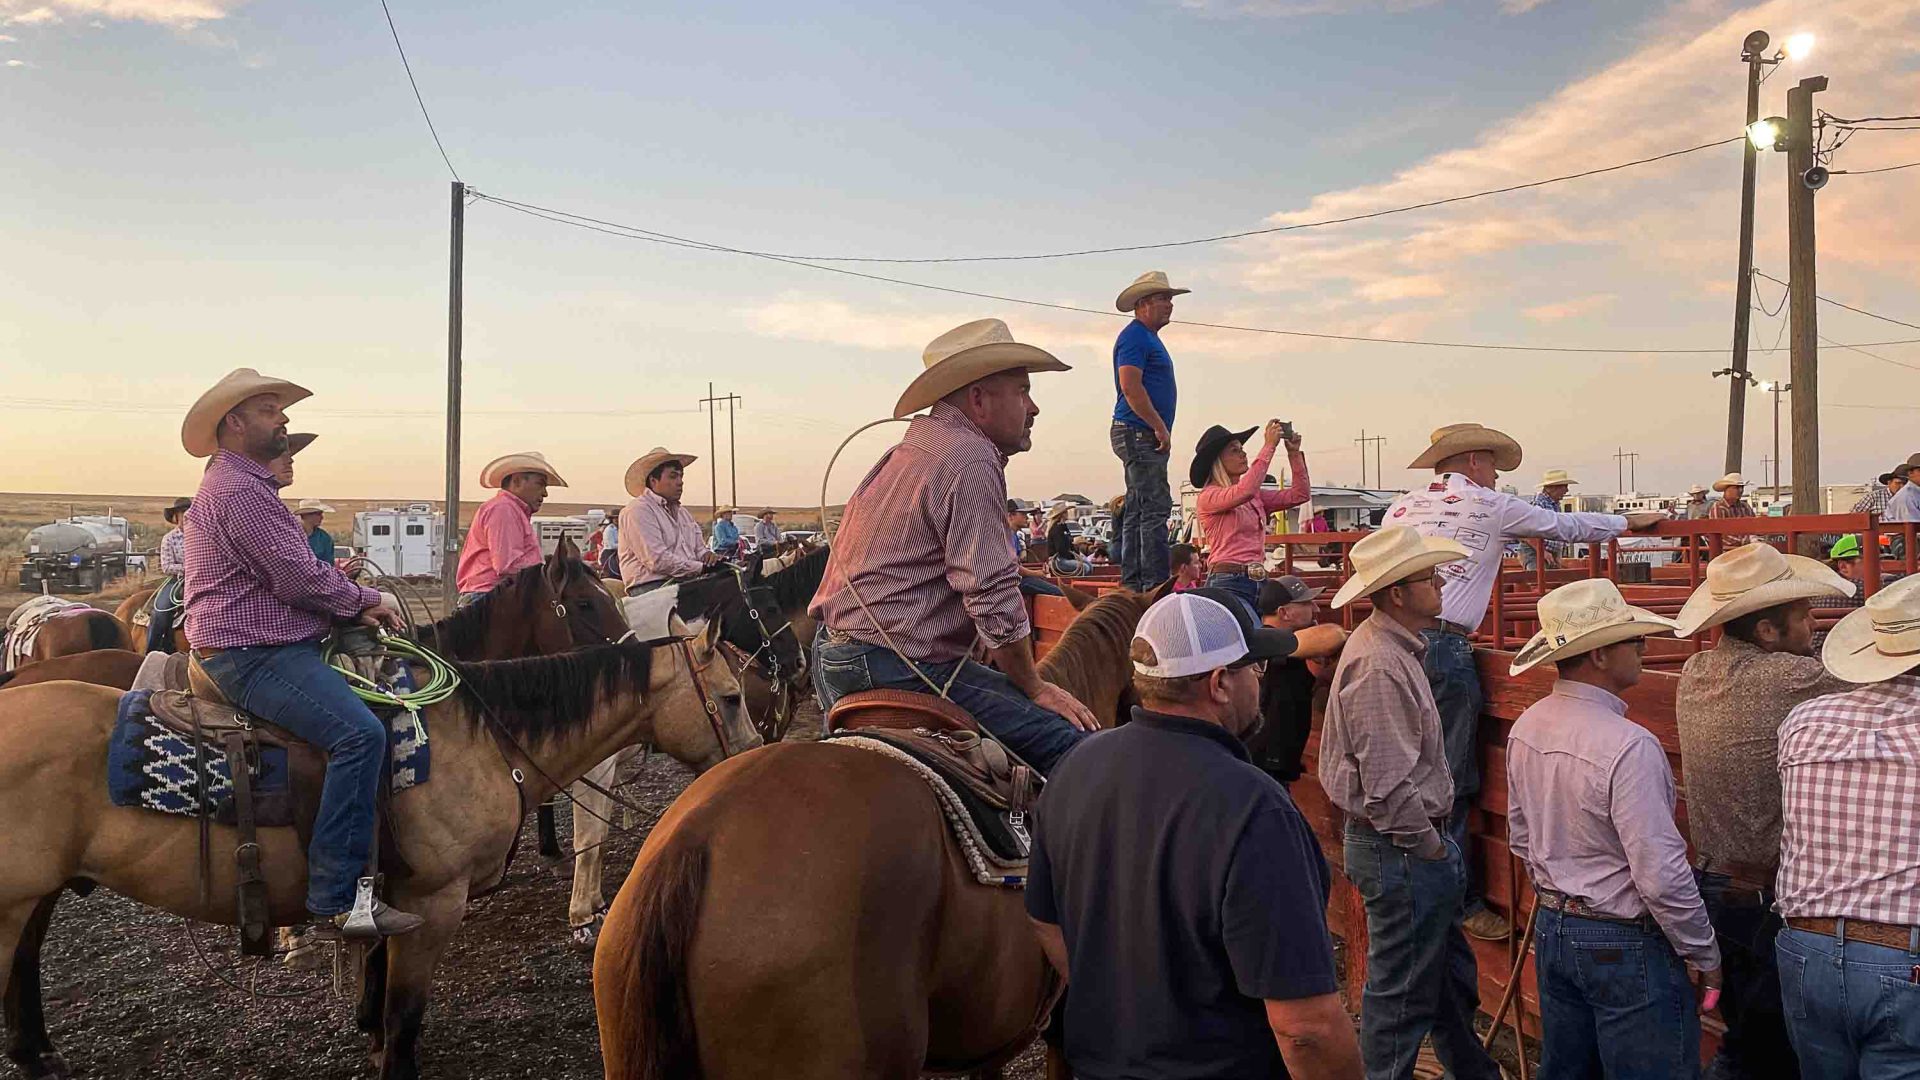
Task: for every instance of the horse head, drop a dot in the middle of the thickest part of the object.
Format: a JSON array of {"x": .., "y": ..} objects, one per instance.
[
  {"x": 715, "y": 726},
  {"x": 743, "y": 609}
]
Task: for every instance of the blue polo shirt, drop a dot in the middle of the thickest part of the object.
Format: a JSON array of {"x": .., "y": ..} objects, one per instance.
[
  {"x": 1139, "y": 347},
  {"x": 1188, "y": 888}
]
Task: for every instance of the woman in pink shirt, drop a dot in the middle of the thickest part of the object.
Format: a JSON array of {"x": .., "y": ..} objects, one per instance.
[{"x": 1234, "y": 507}]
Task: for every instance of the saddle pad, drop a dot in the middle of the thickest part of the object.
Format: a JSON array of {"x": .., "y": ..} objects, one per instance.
[
  {"x": 650, "y": 614},
  {"x": 995, "y": 842}
]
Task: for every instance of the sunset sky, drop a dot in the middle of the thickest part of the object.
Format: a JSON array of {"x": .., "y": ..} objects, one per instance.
[{"x": 196, "y": 185}]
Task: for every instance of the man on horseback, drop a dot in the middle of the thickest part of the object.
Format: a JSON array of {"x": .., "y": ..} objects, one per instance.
[
  {"x": 173, "y": 563},
  {"x": 501, "y": 541},
  {"x": 660, "y": 541},
  {"x": 922, "y": 567},
  {"x": 260, "y": 606}
]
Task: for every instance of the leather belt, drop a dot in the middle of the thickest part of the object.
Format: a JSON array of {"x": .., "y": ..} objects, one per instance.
[
  {"x": 1743, "y": 875},
  {"x": 1446, "y": 627},
  {"x": 207, "y": 653},
  {"x": 1573, "y": 905},
  {"x": 1893, "y": 937},
  {"x": 1255, "y": 571}
]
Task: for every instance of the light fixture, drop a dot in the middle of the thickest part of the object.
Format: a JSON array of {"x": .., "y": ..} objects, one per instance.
[
  {"x": 1768, "y": 134},
  {"x": 1766, "y": 384},
  {"x": 1799, "y": 46}
]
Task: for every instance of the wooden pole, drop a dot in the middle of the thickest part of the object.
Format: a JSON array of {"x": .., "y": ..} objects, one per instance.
[
  {"x": 450, "y": 540},
  {"x": 1743, "y": 285},
  {"x": 1804, "y": 325}
]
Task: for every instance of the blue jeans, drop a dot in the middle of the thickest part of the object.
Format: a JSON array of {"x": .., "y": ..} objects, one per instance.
[
  {"x": 166, "y": 608},
  {"x": 1756, "y": 1045},
  {"x": 1421, "y": 975},
  {"x": 1455, "y": 681},
  {"x": 1039, "y": 586},
  {"x": 1853, "y": 1008},
  {"x": 1614, "y": 1001},
  {"x": 292, "y": 686},
  {"x": 1039, "y": 736},
  {"x": 1241, "y": 586},
  {"x": 1117, "y": 547},
  {"x": 1148, "y": 504}
]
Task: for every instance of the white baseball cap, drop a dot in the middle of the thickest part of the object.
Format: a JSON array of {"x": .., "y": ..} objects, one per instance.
[{"x": 1192, "y": 633}]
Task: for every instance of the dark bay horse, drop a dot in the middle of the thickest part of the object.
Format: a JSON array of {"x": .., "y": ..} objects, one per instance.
[{"x": 803, "y": 912}]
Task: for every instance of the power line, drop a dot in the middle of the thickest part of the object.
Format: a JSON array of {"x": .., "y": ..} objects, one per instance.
[
  {"x": 1204, "y": 239},
  {"x": 84, "y": 405},
  {"x": 1870, "y": 172},
  {"x": 1855, "y": 348},
  {"x": 1836, "y": 303},
  {"x": 416, "y": 92},
  {"x": 1841, "y": 120}
]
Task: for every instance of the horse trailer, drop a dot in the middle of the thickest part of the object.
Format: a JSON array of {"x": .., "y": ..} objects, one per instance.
[{"x": 401, "y": 542}]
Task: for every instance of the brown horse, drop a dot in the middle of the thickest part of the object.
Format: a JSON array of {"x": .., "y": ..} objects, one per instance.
[
  {"x": 135, "y": 605},
  {"x": 517, "y": 731},
  {"x": 81, "y": 631},
  {"x": 809, "y": 878}
]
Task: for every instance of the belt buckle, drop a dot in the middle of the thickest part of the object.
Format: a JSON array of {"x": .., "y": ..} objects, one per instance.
[{"x": 1256, "y": 571}]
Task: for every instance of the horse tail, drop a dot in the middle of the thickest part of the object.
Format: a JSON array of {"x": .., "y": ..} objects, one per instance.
[
  {"x": 640, "y": 978},
  {"x": 106, "y": 632}
]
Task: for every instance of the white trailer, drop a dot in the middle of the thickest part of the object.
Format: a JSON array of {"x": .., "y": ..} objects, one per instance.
[{"x": 402, "y": 542}]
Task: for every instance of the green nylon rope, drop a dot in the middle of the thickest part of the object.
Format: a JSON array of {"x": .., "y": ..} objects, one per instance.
[{"x": 441, "y": 683}]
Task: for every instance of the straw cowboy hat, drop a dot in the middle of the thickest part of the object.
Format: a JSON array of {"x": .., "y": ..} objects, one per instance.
[
  {"x": 506, "y": 465},
  {"x": 966, "y": 354},
  {"x": 199, "y": 433},
  {"x": 299, "y": 441},
  {"x": 1147, "y": 284},
  {"x": 647, "y": 462},
  {"x": 1752, "y": 578},
  {"x": 1880, "y": 640},
  {"x": 1696, "y": 490},
  {"x": 1207, "y": 451},
  {"x": 1732, "y": 479},
  {"x": 1393, "y": 555},
  {"x": 1464, "y": 438},
  {"x": 180, "y": 506},
  {"x": 311, "y": 506},
  {"x": 1582, "y": 616},
  {"x": 1556, "y": 478}
]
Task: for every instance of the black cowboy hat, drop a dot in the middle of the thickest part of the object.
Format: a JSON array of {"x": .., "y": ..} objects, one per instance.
[
  {"x": 179, "y": 507},
  {"x": 1212, "y": 441}
]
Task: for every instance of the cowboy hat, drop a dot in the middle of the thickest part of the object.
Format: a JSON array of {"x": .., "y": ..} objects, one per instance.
[
  {"x": 299, "y": 441},
  {"x": 312, "y": 506},
  {"x": 199, "y": 433},
  {"x": 1732, "y": 479},
  {"x": 1391, "y": 556},
  {"x": 180, "y": 506},
  {"x": 1556, "y": 478},
  {"x": 1582, "y": 616},
  {"x": 1696, "y": 490},
  {"x": 1880, "y": 640},
  {"x": 718, "y": 510},
  {"x": 497, "y": 470},
  {"x": 1207, "y": 451},
  {"x": 1752, "y": 578},
  {"x": 966, "y": 354},
  {"x": 649, "y": 461},
  {"x": 1464, "y": 438},
  {"x": 1147, "y": 284}
]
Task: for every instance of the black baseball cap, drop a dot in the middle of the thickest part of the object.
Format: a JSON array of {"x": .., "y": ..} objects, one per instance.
[{"x": 1277, "y": 592}]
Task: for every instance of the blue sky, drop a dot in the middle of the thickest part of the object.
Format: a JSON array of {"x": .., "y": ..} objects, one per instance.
[{"x": 196, "y": 185}]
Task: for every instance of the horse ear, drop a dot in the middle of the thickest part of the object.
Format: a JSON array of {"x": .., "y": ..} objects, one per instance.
[
  {"x": 565, "y": 549},
  {"x": 1164, "y": 590},
  {"x": 710, "y": 637},
  {"x": 557, "y": 564}
]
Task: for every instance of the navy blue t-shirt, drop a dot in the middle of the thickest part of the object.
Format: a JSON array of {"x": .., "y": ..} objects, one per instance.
[
  {"x": 1188, "y": 889},
  {"x": 1140, "y": 347}
]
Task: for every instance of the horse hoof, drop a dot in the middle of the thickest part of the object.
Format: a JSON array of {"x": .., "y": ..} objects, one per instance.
[
  {"x": 308, "y": 956},
  {"x": 583, "y": 938}
]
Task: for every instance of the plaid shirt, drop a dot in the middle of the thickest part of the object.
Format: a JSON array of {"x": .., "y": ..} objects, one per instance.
[
  {"x": 1850, "y": 780},
  {"x": 251, "y": 576},
  {"x": 1875, "y": 500},
  {"x": 173, "y": 552},
  {"x": 1382, "y": 757}
]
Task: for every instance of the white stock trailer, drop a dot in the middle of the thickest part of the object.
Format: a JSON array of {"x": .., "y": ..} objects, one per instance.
[{"x": 402, "y": 542}]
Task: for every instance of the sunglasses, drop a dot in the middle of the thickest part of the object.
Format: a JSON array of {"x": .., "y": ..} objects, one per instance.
[{"x": 1258, "y": 667}]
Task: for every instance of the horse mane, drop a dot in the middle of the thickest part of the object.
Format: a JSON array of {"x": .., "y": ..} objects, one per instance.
[
  {"x": 464, "y": 633},
  {"x": 540, "y": 698},
  {"x": 794, "y": 587},
  {"x": 106, "y": 632},
  {"x": 1102, "y": 631}
]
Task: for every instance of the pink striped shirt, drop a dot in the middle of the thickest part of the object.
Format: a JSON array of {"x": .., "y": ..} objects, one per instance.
[
  {"x": 499, "y": 543},
  {"x": 1235, "y": 518},
  {"x": 924, "y": 539},
  {"x": 251, "y": 577}
]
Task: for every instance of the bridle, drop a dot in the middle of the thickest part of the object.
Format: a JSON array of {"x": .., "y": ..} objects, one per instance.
[
  {"x": 779, "y": 701},
  {"x": 707, "y": 704}
]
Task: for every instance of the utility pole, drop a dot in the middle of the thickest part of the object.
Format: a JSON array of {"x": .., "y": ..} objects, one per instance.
[
  {"x": 1753, "y": 52},
  {"x": 1764, "y": 459},
  {"x": 1378, "y": 441},
  {"x": 1623, "y": 461},
  {"x": 1776, "y": 388},
  {"x": 450, "y": 540},
  {"x": 733, "y": 459},
  {"x": 1803, "y": 325},
  {"x": 713, "y": 452}
]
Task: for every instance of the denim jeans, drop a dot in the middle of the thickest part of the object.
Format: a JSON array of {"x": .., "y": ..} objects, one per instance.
[
  {"x": 1614, "y": 1001},
  {"x": 1421, "y": 975},
  {"x": 1039, "y": 586},
  {"x": 1455, "y": 681},
  {"x": 292, "y": 686},
  {"x": 1853, "y": 1008},
  {"x": 1117, "y": 547},
  {"x": 1756, "y": 1046},
  {"x": 1148, "y": 504},
  {"x": 1040, "y": 737},
  {"x": 1241, "y": 586},
  {"x": 166, "y": 608}
]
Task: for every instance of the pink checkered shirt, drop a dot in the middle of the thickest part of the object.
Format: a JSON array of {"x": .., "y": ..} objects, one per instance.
[
  {"x": 1850, "y": 780},
  {"x": 251, "y": 577}
]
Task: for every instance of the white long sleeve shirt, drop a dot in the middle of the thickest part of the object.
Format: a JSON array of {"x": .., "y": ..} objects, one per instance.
[{"x": 1482, "y": 521}]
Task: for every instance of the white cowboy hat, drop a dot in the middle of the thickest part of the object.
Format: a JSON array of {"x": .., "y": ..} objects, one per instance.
[
  {"x": 1696, "y": 490},
  {"x": 647, "y": 462},
  {"x": 1752, "y": 578},
  {"x": 1582, "y": 616},
  {"x": 1393, "y": 555},
  {"x": 1732, "y": 479},
  {"x": 1153, "y": 281},
  {"x": 1556, "y": 477},
  {"x": 312, "y": 506},
  {"x": 723, "y": 509},
  {"x": 1880, "y": 640},
  {"x": 966, "y": 354},
  {"x": 506, "y": 465},
  {"x": 1462, "y": 438},
  {"x": 199, "y": 433}
]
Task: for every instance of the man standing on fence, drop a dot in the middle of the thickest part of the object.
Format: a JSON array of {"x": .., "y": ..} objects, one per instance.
[
  {"x": 1730, "y": 704},
  {"x": 1142, "y": 432},
  {"x": 1384, "y": 764},
  {"x": 1590, "y": 803},
  {"x": 1463, "y": 504}
]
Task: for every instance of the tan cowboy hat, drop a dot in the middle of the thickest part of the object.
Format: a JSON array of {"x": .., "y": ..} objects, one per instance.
[
  {"x": 1582, "y": 616},
  {"x": 180, "y": 506},
  {"x": 312, "y": 506},
  {"x": 1752, "y": 578},
  {"x": 1556, "y": 478},
  {"x": 966, "y": 354},
  {"x": 1393, "y": 555},
  {"x": 299, "y": 441},
  {"x": 1732, "y": 479},
  {"x": 1696, "y": 490},
  {"x": 199, "y": 433},
  {"x": 1153, "y": 281},
  {"x": 497, "y": 470},
  {"x": 1462, "y": 438},
  {"x": 1880, "y": 640},
  {"x": 723, "y": 509},
  {"x": 647, "y": 462}
]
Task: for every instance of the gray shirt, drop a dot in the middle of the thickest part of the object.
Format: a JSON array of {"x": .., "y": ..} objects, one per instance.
[
  {"x": 1382, "y": 758},
  {"x": 1590, "y": 811},
  {"x": 1905, "y": 505}
]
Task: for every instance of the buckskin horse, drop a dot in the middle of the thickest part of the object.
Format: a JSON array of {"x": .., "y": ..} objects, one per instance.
[
  {"x": 140, "y": 602},
  {"x": 516, "y": 731},
  {"x": 804, "y": 912}
]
